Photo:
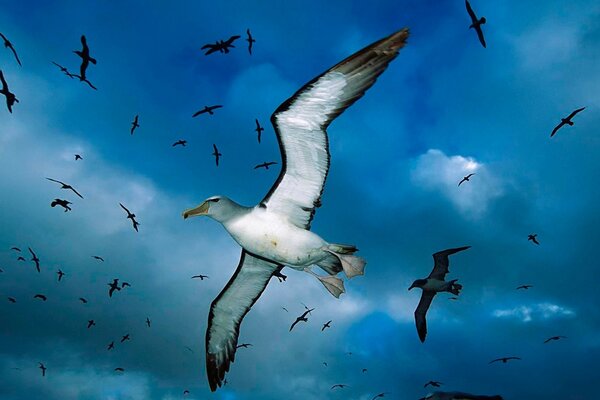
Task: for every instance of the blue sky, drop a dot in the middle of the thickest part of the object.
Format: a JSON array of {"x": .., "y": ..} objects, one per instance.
[{"x": 444, "y": 108}]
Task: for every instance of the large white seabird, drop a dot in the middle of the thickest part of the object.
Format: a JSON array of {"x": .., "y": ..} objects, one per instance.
[{"x": 276, "y": 232}]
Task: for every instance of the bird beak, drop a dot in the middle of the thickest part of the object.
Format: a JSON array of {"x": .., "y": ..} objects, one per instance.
[
  {"x": 202, "y": 209},
  {"x": 411, "y": 286}
]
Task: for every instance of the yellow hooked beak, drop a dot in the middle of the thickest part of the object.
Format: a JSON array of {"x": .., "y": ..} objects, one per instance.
[{"x": 202, "y": 209}]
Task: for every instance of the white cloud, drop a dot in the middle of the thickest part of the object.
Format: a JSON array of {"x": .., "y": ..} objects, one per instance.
[{"x": 534, "y": 312}]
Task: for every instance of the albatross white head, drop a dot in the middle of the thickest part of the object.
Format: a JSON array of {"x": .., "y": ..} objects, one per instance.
[{"x": 219, "y": 208}]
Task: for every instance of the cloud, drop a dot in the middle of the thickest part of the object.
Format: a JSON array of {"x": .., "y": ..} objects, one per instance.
[{"x": 535, "y": 312}]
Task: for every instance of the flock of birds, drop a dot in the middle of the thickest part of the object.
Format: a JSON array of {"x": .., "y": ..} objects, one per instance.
[{"x": 371, "y": 61}]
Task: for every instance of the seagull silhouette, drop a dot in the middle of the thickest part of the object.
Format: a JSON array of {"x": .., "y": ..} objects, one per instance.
[
  {"x": 111, "y": 346},
  {"x": 134, "y": 124},
  {"x": 566, "y": 121},
  {"x": 60, "y": 202},
  {"x": 180, "y": 143},
  {"x": 250, "y": 40},
  {"x": 339, "y": 385},
  {"x": 16, "y": 249},
  {"x": 476, "y": 23},
  {"x": 301, "y": 318},
  {"x": 379, "y": 395},
  {"x": 43, "y": 368},
  {"x": 35, "y": 259},
  {"x": 533, "y": 238},
  {"x": 200, "y": 276},
  {"x": 119, "y": 369},
  {"x": 131, "y": 216},
  {"x": 148, "y": 322},
  {"x": 12, "y": 299},
  {"x": 11, "y": 99},
  {"x": 244, "y": 345},
  {"x": 207, "y": 109},
  {"x": 265, "y": 165},
  {"x": 91, "y": 323},
  {"x": 113, "y": 286},
  {"x": 259, "y": 129},
  {"x": 60, "y": 275},
  {"x": 40, "y": 296},
  {"x": 465, "y": 179},
  {"x": 126, "y": 337},
  {"x": 65, "y": 186},
  {"x": 525, "y": 287},
  {"x": 326, "y": 325},
  {"x": 9, "y": 45},
  {"x": 216, "y": 154},
  {"x": 84, "y": 301},
  {"x": 98, "y": 258},
  {"x": 78, "y": 157},
  {"x": 553, "y": 338},
  {"x": 433, "y": 383},
  {"x": 84, "y": 53},
  {"x": 504, "y": 359}
]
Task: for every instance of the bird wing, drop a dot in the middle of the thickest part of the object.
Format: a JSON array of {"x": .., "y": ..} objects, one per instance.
[
  {"x": 421, "y": 312},
  {"x": 480, "y": 35},
  {"x": 470, "y": 11},
  {"x": 16, "y": 55},
  {"x": 227, "y": 311},
  {"x": 76, "y": 192},
  {"x": 575, "y": 112},
  {"x": 54, "y": 180},
  {"x": 556, "y": 128},
  {"x": 199, "y": 112},
  {"x": 301, "y": 122},
  {"x": 124, "y": 208},
  {"x": 4, "y": 84},
  {"x": 441, "y": 262}
]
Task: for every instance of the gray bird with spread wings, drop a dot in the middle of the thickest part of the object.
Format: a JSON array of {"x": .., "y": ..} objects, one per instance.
[{"x": 276, "y": 232}]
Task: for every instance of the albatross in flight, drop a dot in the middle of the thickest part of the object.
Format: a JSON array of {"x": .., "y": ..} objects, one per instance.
[{"x": 276, "y": 232}]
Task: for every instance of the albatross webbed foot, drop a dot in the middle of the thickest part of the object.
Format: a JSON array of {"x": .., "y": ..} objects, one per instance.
[{"x": 333, "y": 284}]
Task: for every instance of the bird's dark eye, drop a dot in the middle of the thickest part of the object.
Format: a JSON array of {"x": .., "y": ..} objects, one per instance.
[{"x": 215, "y": 200}]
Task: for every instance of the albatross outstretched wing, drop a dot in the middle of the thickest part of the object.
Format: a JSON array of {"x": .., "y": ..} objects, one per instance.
[
  {"x": 227, "y": 311},
  {"x": 301, "y": 123},
  {"x": 421, "y": 313},
  {"x": 441, "y": 260}
]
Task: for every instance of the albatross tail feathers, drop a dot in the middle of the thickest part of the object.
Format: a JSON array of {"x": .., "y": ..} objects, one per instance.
[
  {"x": 455, "y": 287},
  {"x": 352, "y": 265}
]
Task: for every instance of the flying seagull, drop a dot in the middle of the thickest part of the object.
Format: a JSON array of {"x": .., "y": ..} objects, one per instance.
[
  {"x": 9, "y": 45},
  {"x": 35, "y": 259},
  {"x": 119, "y": 369},
  {"x": 244, "y": 345},
  {"x": 504, "y": 359},
  {"x": 43, "y": 368},
  {"x": 16, "y": 249},
  {"x": 131, "y": 216},
  {"x": 113, "y": 286},
  {"x": 326, "y": 325},
  {"x": 554, "y": 338},
  {"x": 11, "y": 99},
  {"x": 433, "y": 284},
  {"x": 111, "y": 345},
  {"x": 458, "y": 396},
  {"x": 277, "y": 232},
  {"x": 84, "y": 301},
  {"x": 134, "y": 124},
  {"x": 84, "y": 53},
  {"x": 60, "y": 275},
  {"x": 64, "y": 70},
  {"x": 180, "y": 143},
  {"x": 525, "y": 287},
  {"x": 91, "y": 323},
  {"x": 465, "y": 179},
  {"x": 364, "y": 370},
  {"x": 433, "y": 383},
  {"x": 12, "y": 299},
  {"x": 339, "y": 385},
  {"x": 78, "y": 157},
  {"x": 148, "y": 322},
  {"x": 377, "y": 396},
  {"x": 216, "y": 154},
  {"x": 259, "y": 129},
  {"x": 98, "y": 258},
  {"x": 207, "y": 109},
  {"x": 476, "y": 23},
  {"x": 566, "y": 121},
  {"x": 200, "y": 276},
  {"x": 302, "y": 318},
  {"x": 66, "y": 186},
  {"x": 126, "y": 337},
  {"x": 250, "y": 40},
  {"x": 60, "y": 202},
  {"x": 40, "y": 296},
  {"x": 533, "y": 238},
  {"x": 265, "y": 165},
  {"x": 222, "y": 46}
]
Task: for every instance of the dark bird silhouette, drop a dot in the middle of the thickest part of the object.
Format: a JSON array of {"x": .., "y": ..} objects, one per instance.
[
  {"x": 131, "y": 216},
  {"x": 200, "y": 276},
  {"x": 180, "y": 143},
  {"x": 84, "y": 301},
  {"x": 458, "y": 396},
  {"x": 364, "y": 370},
  {"x": 216, "y": 154},
  {"x": 21, "y": 258},
  {"x": 125, "y": 284},
  {"x": 525, "y": 287},
  {"x": 35, "y": 259},
  {"x": 326, "y": 325},
  {"x": 433, "y": 383},
  {"x": 554, "y": 338},
  {"x": 148, "y": 322},
  {"x": 284, "y": 309},
  {"x": 339, "y": 385},
  {"x": 40, "y": 296},
  {"x": 566, "y": 121},
  {"x": 434, "y": 284},
  {"x": 379, "y": 395},
  {"x": 207, "y": 109},
  {"x": 84, "y": 53},
  {"x": 244, "y": 345},
  {"x": 9, "y": 45},
  {"x": 66, "y": 186},
  {"x": 12, "y": 299},
  {"x": 324, "y": 363},
  {"x": 60, "y": 275},
  {"x": 504, "y": 359},
  {"x": 43, "y": 368},
  {"x": 64, "y": 70},
  {"x": 222, "y": 46},
  {"x": 533, "y": 238},
  {"x": 186, "y": 392},
  {"x": 259, "y": 129},
  {"x": 16, "y": 249},
  {"x": 119, "y": 369},
  {"x": 63, "y": 203},
  {"x": 98, "y": 258},
  {"x": 91, "y": 323},
  {"x": 113, "y": 286},
  {"x": 78, "y": 157},
  {"x": 465, "y": 179},
  {"x": 476, "y": 23},
  {"x": 135, "y": 124},
  {"x": 301, "y": 318},
  {"x": 250, "y": 40},
  {"x": 11, "y": 99},
  {"x": 124, "y": 338},
  {"x": 453, "y": 298},
  {"x": 111, "y": 346},
  {"x": 265, "y": 165}
]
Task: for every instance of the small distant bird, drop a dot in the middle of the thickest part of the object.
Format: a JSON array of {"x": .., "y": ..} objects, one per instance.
[
  {"x": 63, "y": 203},
  {"x": 379, "y": 395},
  {"x": 12, "y": 299},
  {"x": 326, "y": 325},
  {"x": 84, "y": 301},
  {"x": 125, "y": 284},
  {"x": 21, "y": 258},
  {"x": 433, "y": 383},
  {"x": 91, "y": 323},
  {"x": 113, "y": 286},
  {"x": 119, "y": 369},
  {"x": 554, "y": 338},
  {"x": 111, "y": 346},
  {"x": 43, "y": 368},
  {"x": 131, "y": 216},
  {"x": 180, "y": 143},
  {"x": 265, "y": 165},
  {"x": 434, "y": 284},
  {"x": 216, "y": 154},
  {"x": 126, "y": 337},
  {"x": 284, "y": 309},
  {"x": 84, "y": 53},
  {"x": 222, "y": 46},
  {"x": 11, "y": 99},
  {"x": 35, "y": 259},
  {"x": 78, "y": 157},
  {"x": 453, "y": 298},
  {"x": 533, "y": 238},
  {"x": 134, "y": 124},
  {"x": 465, "y": 179},
  {"x": 40, "y": 296},
  {"x": 566, "y": 121},
  {"x": 200, "y": 276},
  {"x": 98, "y": 258},
  {"x": 504, "y": 359},
  {"x": 148, "y": 322},
  {"x": 364, "y": 370},
  {"x": 250, "y": 40},
  {"x": 60, "y": 275},
  {"x": 244, "y": 345},
  {"x": 66, "y": 186},
  {"x": 259, "y": 129},
  {"x": 64, "y": 70},
  {"x": 301, "y": 318},
  {"x": 324, "y": 363},
  {"x": 525, "y": 287},
  {"x": 476, "y": 23},
  {"x": 207, "y": 109},
  {"x": 16, "y": 249},
  {"x": 9, "y": 45},
  {"x": 186, "y": 392},
  {"x": 458, "y": 396},
  {"x": 339, "y": 385}
]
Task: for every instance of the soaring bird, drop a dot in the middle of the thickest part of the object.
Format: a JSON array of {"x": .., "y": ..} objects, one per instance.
[
  {"x": 524, "y": 287},
  {"x": 16, "y": 249},
  {"x": 433, "y": 383},
  {"x": 244, "y": 345},
  {"x": 35, "y": 259},
  {"x": 504, "y": 360},
  {"x": 64, "y": 70},
  {"x": 98, "y": 258},
  {"x": 265, "y": 165},
  {"x": 326, "y": 325},
  {"x": 553, "y": 338},
  {"x": 339, "y": 385},
  {"x": 78, "y": 157},
  {"x": 301, "y": 318},
  {"x": 465, "y": 179},
  {"x": 476, "y": 23},
  {"x": 126, "y": 337},
  {"x": 119, "y": 369},
  {"x": 114, "y": 285},
  {"x": 131, "y": 216},
  {"x": 566, "y": 121},
  {"x": 276, "y": 232},
  {"x": 60, "y": 275},
  {"x": 43, "y": 368},
  {"x": 533, "y": 238},
  {"x": 9, "y": 45},
  {"x": 11, "y": 99},
  {"x": 84, "y": 301},
  {"x": 148, "y": 322},
  {"x": 259, "y": 130},
  {"x": 40, "y": 296},
  {"x": 12, "y": 299},
  {"x": 135, "y": 124},
  {"x": 207, "y": 109},
  {"x": 181, "y": 143},
  {"x": 66, "y": 186},
  {"x": 91, "y": 323},
  {"x": 458, "y": 396},
  {"x": 60, "y": 202},
  {"x": 200, "y": 276},
  {"x": 377, "y": 396},
  {"x": 216, "y": 154},
  {"x": 222, "y": 46},
  {"x": 250, "y": 40},
  {"x": 111, "y": 345},
  {"x": 84, "y": 53},
  {"x": 433, "y": 284}
]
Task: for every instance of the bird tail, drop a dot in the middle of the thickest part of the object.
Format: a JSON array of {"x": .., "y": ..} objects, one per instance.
[
  {"x": 455, "y": 287},
  {"x": 352, "y": 265}
]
